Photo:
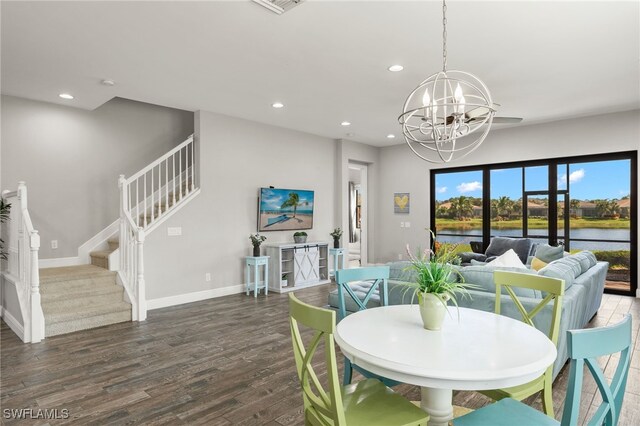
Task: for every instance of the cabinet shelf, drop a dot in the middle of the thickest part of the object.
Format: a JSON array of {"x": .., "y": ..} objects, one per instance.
[{"x": 309, "y": 269}]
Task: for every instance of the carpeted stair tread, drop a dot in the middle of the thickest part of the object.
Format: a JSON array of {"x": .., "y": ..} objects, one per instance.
[
  {"x": 63, "y": 315},
  {"x": 114, "y": 243},
  {"x": 80, "y": 293},
  {"x": 102, "y": 254},
  {"x": 67, "y": 273},
  {"x": 87, "y": 323},
  {"x": 76, "y": 285}
]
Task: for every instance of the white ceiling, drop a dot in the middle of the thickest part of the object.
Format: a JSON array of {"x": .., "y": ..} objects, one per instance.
[{"x": 325, "y": 60}]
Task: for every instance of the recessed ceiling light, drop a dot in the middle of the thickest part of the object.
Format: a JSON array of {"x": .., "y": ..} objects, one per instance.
[
  {"x": 277, "y": 105},
  {"x": 345, "y": 123},
  {"x": 108, "y": 82},
  {"x": 65, "y": 96},
  {"x": 395, "y": 68},
  {"x": 390, "y": 136}
]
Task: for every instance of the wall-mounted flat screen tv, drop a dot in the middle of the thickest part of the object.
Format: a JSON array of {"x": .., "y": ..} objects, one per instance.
[{"x": 285, "y": 209}]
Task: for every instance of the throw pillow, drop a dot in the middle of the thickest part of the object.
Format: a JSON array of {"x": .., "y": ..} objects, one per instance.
[
  {"x": 548, "y": 253},
  {"x": 508, "y": 259},
  {"x": 537, "y": 264}
]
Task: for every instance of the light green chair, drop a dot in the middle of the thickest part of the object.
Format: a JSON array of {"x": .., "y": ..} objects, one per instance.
[
  {"x": 368, "y": 402},
  {"x": 584, "y": 347},
  {"x": 554, "y": 289}
]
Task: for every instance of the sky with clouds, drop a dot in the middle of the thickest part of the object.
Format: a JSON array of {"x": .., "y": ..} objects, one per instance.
[{"x": 605, "y": 179}]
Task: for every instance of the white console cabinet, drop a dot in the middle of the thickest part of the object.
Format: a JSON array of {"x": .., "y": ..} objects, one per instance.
[{"x": 294, "y": 266}]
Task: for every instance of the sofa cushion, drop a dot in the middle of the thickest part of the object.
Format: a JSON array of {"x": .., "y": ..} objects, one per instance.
[
  {"x": 548, "y": 253},
  {"x": 500, "y": 245},
  {"x": 470, "y": 257},
  {"x": 586, "y": 258},
  {"x": 561, "y": 270},
  {"x": 509, "y": 259},
  {"x": 402, "y": 271},
  {"x": 482, "y": 276}
]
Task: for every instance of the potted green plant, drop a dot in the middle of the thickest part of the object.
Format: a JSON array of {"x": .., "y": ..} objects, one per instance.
[
  {"x": 300, "y": 237},
  {"x": 284, "y": 282},
  {"x": 256, "y": 240},
  {"x": 336, "y": 234},
  {"x": 438, "y": 281},
  {"x": 5, "y": 208}
]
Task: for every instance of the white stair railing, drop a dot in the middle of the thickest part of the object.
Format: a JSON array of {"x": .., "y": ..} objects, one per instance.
[
  {"x": 146, "y": 200},
  {"x": 23, "y": 243}
]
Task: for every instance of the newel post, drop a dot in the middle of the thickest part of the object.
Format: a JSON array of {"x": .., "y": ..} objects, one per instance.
[
  {"x": 37, "y": 317},
  {"x": 140, "y": 287}
]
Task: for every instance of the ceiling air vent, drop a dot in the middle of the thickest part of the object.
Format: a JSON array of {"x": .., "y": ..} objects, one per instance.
[{"x": 278, "y": 6}]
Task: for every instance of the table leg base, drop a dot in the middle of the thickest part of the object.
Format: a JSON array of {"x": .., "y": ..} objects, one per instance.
[{"x": 438, "y": 403}]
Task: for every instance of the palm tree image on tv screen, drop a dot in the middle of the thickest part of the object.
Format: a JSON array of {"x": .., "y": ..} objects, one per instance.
[{"x": 285, "y": 209}]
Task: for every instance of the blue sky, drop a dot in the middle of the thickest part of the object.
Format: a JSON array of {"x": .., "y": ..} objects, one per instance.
[
  {"x": 605, "y": 179},
  {"x": 272, "y": 199}
]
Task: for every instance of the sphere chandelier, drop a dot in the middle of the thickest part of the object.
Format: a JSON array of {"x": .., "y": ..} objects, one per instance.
[{"x": 449, "y": 114}]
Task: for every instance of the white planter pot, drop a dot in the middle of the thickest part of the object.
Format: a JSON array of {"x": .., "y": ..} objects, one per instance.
[{"x": 432, "y": 310}]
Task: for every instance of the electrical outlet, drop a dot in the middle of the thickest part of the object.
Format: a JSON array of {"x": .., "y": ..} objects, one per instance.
[
  {"x": 207, "y": 276},
  {"x": 54, "y": 244},
  {"x": 401, "y": 224},
  {"x": 174, "y": 232},
  {"x": 407, "y": 224}
]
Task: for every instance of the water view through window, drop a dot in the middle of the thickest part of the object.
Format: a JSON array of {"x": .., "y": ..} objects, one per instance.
[{"x": 592, "y": 207}]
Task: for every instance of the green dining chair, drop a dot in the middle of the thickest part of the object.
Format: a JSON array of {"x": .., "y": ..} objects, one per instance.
[
  {"x": 584, "y": 347},
  {"x": 554, "y": 289},
  {"x": 377, "y": 276},
  {"x": 368, "y": 402}
]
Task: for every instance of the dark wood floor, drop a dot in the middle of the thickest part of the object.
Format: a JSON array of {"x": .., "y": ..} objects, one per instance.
[{"x": 225, "y": 361}]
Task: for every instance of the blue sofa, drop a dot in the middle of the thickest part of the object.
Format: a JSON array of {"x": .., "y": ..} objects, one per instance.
[{"x": 584, "y": 285}]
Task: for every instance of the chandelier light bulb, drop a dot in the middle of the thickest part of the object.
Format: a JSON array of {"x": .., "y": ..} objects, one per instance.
[{"x": 460, "y": 100}]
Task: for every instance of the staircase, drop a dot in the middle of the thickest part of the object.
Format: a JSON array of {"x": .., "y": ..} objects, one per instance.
[
  {"x": 55, "y": 301},
  {"x": 81, "y": 297}
]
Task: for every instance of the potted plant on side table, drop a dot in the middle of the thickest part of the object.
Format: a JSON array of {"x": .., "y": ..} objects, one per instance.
[
  {"x": 300, "y": 237},
  {"x": 336, "y": 234},
  {"x": 437, "y": 282},
  {"x": 256, "y": 240}
]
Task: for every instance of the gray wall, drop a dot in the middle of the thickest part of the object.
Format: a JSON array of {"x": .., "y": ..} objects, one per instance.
[
  {"x": 237, "y": 158},
  {"x": 402, "y": 171},
  {"x": 71, "y": 158}
]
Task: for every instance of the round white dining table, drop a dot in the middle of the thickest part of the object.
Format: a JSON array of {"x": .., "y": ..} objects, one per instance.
[{"x": 474, "y": 350}]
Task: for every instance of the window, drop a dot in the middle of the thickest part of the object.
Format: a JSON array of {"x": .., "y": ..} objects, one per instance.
[
  {"x": 584, "y": 203},
  {"x": 459, "y": 211}
]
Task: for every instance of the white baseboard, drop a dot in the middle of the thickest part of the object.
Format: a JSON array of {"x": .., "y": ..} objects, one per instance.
[
  {"x": 179, "y": 299},
  {"x": 58, "y": 262},
  {"x": 12, "y": 323}
]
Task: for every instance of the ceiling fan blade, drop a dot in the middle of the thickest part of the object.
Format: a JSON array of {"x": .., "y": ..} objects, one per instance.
[
  {"x": 496, "y": 120},
  {"x": 507, "y": 120}
]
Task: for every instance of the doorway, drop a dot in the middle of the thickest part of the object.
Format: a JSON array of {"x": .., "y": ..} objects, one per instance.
[{"x": 357, "y": 230}]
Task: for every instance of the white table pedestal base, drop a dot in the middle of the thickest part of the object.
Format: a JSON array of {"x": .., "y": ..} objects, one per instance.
[{"x": 439, "y": 404}]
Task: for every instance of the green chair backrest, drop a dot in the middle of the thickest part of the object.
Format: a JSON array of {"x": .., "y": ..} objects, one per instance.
[
  {"x": 324, "y": 404},
  {"x": 584, "y": 346},
  {"x": 378, "y": 274},
  {"x": 552, "y": 286}
]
